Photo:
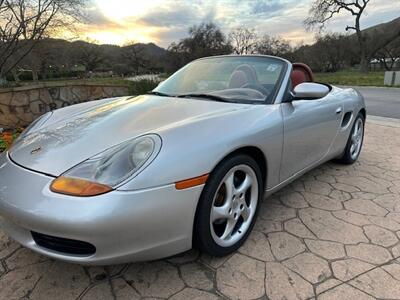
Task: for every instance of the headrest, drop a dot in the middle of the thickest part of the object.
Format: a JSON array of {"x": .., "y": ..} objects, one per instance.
[
  {"x": 298, "y": 77},
  {"x": 238, "y": 79},
  {"x": 301, "y": 73}
]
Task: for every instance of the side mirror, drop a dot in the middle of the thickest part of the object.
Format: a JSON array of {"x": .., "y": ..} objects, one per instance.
[{"x": 310, "y": 90}]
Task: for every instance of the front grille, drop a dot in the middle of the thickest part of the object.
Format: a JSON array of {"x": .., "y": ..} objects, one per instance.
[{"x": 62, "y": 245}]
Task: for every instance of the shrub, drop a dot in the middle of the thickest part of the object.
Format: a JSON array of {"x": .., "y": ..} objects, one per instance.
[
  {"x": 7, "y": 137},
  {"x": 142, "y": 86}
]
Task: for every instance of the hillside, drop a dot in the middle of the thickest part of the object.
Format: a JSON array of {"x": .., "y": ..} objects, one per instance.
[
  {"x": 61, "y": 58},
  {"x": 379, "y": 35}
]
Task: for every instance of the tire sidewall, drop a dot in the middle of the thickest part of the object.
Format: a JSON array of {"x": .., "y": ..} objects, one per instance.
[
  {"x": 347, "y": 155},
  {"x": 202, "y": 238}
]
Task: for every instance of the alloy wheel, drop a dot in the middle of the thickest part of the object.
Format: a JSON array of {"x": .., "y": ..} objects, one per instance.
[
  {"x": 234, "y": 205},
  {"x": 357, "y": 138}
]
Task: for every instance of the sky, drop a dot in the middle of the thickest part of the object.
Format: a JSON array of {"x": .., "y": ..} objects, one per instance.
[{"x": 165, "y": 21}]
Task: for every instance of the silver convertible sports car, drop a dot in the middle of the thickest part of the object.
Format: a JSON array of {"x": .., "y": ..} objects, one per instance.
[{"x": 186, "y": 165}]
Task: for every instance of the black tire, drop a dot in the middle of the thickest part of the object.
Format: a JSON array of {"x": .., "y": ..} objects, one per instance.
[
  {"x": 202, "y": 236},
  {"x": 347, "y": 157}
]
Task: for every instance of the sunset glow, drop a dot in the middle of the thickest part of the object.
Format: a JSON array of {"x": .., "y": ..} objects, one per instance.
[
  {"x": 118, "y": 10},
  {"x": 165, "y": 21}
]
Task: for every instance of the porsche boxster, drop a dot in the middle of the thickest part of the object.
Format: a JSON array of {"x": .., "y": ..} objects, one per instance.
[{"x": 186, "y": 165}]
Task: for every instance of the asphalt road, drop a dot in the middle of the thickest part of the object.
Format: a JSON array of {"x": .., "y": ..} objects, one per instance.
[{"x": 382, "y": 102}]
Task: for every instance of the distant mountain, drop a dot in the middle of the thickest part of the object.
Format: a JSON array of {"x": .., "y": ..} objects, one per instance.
[
  {"x": 381, "y": 28},
  {"x": 62, "y": 56},
  {"x": 378, "y": 36},
  {"x": 150, "y": 48}
]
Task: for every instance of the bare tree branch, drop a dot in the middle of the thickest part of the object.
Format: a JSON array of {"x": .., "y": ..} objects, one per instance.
[
  {"x": 323, "y": 10},
  {"x": 243, "y": 40},
  {"x": 24, "y": 22}
]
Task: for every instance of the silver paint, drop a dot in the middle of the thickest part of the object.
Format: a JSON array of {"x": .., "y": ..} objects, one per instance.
[
  {"x": 310, "y": 90},
  {"x": 147, "y": 218}
]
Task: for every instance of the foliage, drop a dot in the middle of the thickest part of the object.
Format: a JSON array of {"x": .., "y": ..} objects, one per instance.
[
  {"x": 389, "y": 55},
  {"x": 369, "y": 41},
  {"x": 54, "y": 58},
  {"x": 206, "y": 39},
  {"x": 270, "y": 45},
  {"x": 243, "y": 40},
  {"x": 136, "y": 58},
  {"x": 24, "y": 22},
  {"x": 142, "y": 86},
  {"x": 7, "y": 137},
  {"x": 330, "y": 53},
  {"x": 90, "y": 55}
]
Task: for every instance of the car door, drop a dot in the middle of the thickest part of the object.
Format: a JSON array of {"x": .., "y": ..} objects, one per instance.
[{"x": 310, "y": 127}]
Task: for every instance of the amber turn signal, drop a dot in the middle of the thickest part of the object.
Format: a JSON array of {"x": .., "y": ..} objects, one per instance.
[
  {"x": 78, "y": 187},
  {"x": 188, "y": 183}
]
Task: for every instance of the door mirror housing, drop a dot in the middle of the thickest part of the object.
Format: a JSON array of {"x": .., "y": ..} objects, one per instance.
[{"x": 310, "y": 91}]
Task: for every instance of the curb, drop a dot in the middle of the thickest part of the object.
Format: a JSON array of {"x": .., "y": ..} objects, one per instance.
[
  {"x": 369, "y": 86},
  {"x": 390, "y": 122}
]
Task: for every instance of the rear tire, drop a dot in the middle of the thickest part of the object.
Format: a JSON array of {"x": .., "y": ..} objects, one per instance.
[
  {"x": 355, "y": 141},
  {"x": 228, "y": 206}
]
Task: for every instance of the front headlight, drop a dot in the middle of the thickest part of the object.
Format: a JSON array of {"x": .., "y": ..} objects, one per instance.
[{"x": 109, "y": 169}]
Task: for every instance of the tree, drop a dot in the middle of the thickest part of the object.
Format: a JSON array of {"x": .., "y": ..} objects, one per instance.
[
  {"x": 270, "y": 45},
  {"x": 389, "y": 55},
  {"x": 323, "y": 10},
  {"x": 333, "y": 51},
  {"x": 39, "y": 59},
  {"x": 24, "y": 22},
  {"x": 136, "y": 57},
  {"x": 204, "y": 40},
  {"x": 90, "y": 54},
  {"x": 243, "y": 40}
]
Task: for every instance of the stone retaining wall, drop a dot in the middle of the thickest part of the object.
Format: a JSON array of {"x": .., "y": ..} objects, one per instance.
[{"x": 20, "y": 106}]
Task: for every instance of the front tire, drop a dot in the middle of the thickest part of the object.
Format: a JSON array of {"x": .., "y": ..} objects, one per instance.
[
  {"x": 228, "y": 206},
  {"x": 355, "y": 142}
]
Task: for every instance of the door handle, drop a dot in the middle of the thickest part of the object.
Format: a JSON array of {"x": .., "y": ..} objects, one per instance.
[{"x": 339, "y": 110}]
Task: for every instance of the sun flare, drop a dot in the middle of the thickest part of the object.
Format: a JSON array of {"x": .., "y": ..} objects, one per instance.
[{"x": 118, "y": 10}]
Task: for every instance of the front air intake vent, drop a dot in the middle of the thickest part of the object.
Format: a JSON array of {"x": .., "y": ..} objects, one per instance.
[{"x": 65, "y": 246}]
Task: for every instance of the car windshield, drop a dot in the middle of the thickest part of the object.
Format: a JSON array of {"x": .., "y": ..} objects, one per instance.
[{"x": 226, "y": 78}]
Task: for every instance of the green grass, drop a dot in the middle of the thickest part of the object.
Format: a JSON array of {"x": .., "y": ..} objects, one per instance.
[{"x": 351, "y": 77}]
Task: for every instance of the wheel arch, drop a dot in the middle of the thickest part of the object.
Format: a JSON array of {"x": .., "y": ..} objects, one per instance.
[
  {"x": 364, "y": 113},
  {"x": 252, "y": 151},
  {"x": 255, "y": 153}
]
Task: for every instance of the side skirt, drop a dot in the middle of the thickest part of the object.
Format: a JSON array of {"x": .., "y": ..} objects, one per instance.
[{"x": 297, "y": 175}]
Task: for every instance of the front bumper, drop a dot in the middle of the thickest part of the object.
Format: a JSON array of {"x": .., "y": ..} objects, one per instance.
[{"x": 123, "y": 226}]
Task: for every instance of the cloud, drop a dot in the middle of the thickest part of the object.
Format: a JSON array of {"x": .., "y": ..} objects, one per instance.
[
  {"x": 265, "y": 6},
  {"x": 95, "y": 16},
  {"x": 173, "y": 17},
  {"x": 165, "y": 21}
]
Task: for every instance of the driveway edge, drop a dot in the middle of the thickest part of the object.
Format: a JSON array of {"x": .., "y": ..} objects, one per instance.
[{"x": 391, "y": 122}]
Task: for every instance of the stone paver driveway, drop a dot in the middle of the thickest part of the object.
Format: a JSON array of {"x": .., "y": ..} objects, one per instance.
[{"x": 333, "y": 234}]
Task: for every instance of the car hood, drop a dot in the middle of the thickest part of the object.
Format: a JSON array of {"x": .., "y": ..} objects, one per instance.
[{"x": 73, "y": 135}]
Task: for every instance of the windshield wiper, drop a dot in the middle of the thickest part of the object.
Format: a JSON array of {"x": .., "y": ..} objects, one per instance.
[
  {"x": 206, "y": 96},
  {"x": 159, "y": 94}
]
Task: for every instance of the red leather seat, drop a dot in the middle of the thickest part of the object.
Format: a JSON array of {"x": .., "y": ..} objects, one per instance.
[{"x": 301, "y": 73}]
